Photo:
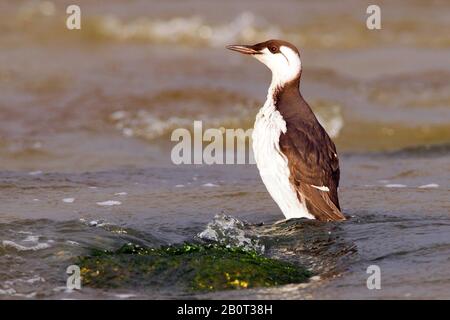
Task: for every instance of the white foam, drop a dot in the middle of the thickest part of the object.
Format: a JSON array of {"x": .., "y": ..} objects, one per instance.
[
  {"x": 245, "y": 27},
  {"x": 9, "y": 291},
  {"x": 209, "y": 234},
  {"x": 119, "y": 231},
  {"x": 35, "y": 279},
  {"x": 120, "y": 194},
  {"x": 35, "y": 173},
  {"x": 117, "y": 115},
  {"x": 31, "y": 280},
  {"x": 125, "y": 295},
  {"x": 315, "y": 278},
  {"x": 127, "y": 132},
  {"x": 12, "y": 244},
  {"x": 68, "y": 200},
  {"x": 109, "y": 203},
  {"x": 143, "y": 123},
  {"x": 28, "y": 295},
  {"x": 96, "y": 223},
  {"x": 395, "y": 185},
  {"x": 209, "y": 185},
  {"x": 230, "y": 231},
  {"x": 430, "y": 185},
  {"x": 31, "y": 238},
  {"x": 63, "y": 289}
]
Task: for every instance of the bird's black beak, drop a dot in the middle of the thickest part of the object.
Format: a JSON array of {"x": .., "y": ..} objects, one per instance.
[{"x": 243, "y": 49}]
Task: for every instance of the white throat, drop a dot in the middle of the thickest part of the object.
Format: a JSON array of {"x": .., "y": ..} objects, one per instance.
[{"x": 285, "y": 66}]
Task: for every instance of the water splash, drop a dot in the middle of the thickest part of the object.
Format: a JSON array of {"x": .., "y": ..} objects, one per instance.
[{"x": 232, "y": 232}]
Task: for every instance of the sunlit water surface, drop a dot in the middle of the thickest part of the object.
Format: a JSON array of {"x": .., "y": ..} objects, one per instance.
[{"x": 86, "y": 117}]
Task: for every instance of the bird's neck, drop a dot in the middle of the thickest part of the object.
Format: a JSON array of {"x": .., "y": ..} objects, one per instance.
[
  {"x": 287, "y": 99},
  {"x": 278, "y": 87}
]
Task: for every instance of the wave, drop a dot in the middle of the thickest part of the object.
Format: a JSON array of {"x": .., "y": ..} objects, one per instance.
[
  {"x": 146, "y": 124},
  {"x": 194, "y": 30},
  {"x": 34, "y": 247},
  {"x": 247, "y": 27}
]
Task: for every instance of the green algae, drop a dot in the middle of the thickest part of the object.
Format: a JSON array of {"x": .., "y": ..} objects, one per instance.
[{"x": 196, "y": 267}]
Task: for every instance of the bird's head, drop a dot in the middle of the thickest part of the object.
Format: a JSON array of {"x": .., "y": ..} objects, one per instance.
[{"x": 281, "y": 57}]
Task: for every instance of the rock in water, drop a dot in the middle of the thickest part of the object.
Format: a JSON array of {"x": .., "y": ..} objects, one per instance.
[{"x": 195, "y": 267}]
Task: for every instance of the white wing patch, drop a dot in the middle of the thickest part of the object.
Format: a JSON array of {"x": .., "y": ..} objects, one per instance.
[{"x": 322, "y": 188}]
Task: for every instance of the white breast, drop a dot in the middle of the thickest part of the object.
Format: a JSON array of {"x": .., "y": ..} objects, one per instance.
[{"x": 272, "y": 164}]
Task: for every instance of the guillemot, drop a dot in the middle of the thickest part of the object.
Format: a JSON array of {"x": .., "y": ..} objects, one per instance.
[{"x": 296, "y": 158}]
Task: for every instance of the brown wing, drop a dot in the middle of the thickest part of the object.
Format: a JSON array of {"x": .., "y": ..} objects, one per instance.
[{"x": 313, "y": 161}]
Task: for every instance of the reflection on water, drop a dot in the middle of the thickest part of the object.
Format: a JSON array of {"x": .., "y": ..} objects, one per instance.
[{"x": 86, "y": 117}]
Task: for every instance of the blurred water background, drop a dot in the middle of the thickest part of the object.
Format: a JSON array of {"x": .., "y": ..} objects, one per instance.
[{"x": 86, "y": 117}]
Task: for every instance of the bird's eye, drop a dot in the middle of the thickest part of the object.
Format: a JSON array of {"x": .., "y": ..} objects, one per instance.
[{"x": 273, "y": 49}]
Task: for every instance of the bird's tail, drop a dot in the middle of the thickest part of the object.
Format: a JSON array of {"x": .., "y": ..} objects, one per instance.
[{"x": 320, "y": 204}]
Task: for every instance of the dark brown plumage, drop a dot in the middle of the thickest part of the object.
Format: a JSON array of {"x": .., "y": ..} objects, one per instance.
[{"x": 311, "y": 155}]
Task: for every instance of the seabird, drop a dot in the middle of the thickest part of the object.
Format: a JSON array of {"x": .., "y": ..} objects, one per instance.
[{"x": 295, "y": 156}]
